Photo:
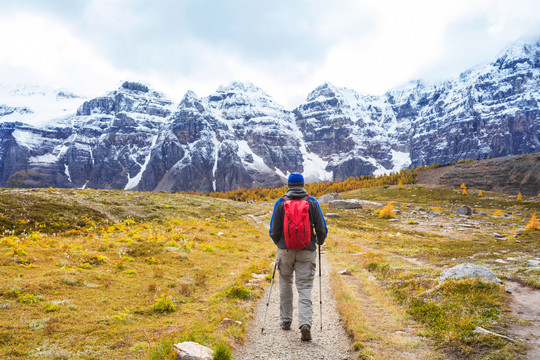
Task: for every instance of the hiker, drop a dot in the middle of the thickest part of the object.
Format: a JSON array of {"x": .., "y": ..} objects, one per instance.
[{"x": 300, "y": 260}]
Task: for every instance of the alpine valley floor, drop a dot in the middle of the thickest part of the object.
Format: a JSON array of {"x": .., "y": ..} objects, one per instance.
[{"x": 88, "y": 274}]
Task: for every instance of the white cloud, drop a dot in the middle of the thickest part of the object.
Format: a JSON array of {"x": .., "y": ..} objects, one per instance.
[
  {"x": 286, "y": 48},
  {"x": 36, "y": 45}
]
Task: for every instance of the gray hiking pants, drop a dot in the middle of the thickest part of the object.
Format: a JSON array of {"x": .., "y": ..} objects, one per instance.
[{"x": 301, "y": 263}]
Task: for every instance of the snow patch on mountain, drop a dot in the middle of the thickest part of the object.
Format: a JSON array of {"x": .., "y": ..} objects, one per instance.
[
  {"x": 37, "y": 106},
  {"x": 401, "y": 160},
  {"x": 250, "y": 160},
  {"x": 43, "y": 159},
  {"x": 133, "y": 182},
  {"x": 28, "y": 139},
  {"x": 66, "y": 171}
]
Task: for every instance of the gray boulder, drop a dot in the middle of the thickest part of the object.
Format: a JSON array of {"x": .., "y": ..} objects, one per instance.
[
  {"x": 325, "y": 199},
  {"x": 464, "y": 210},
  {"x": 189, "y": 350},
  {"x": 345, "y": 204},
  {"x": 464, "y": 271},
  {"x": 352, "y": 202}
]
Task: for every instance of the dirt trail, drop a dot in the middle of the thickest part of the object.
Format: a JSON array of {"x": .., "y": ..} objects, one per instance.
[
  {"x": 525, "y": 306},
  {"x": 331, "y": 343}
]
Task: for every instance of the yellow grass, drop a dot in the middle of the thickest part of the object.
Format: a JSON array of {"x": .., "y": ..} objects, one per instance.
[{"x": 113, "y": 289}]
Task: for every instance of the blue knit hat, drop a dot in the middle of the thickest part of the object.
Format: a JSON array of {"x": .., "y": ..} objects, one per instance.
[{"x": 295, "y": 180}]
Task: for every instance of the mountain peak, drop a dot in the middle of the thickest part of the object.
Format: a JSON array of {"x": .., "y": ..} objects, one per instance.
[
  {"x": 524, "y": 52},
  {"x": 241, "y": 86},
  {"x": 190, "y": 95},
  {"x": 135, "y": 86},
  {"x": 191, "y": 100},
  {"x": 326, "y": 90},
  {"x": 139, "y": 90}
]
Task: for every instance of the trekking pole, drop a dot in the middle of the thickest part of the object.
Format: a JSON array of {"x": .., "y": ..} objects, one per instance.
[
  {"x": 320, "y": 283},
  {"x": 269, "y": 293}
]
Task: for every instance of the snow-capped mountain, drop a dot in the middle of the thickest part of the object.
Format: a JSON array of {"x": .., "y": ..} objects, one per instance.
[{"x": 136, "y": 138}]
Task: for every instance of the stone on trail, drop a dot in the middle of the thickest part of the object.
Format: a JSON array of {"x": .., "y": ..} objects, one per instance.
[
  {"x": 325, "y": 199},
  {"x": 464, "y": 210},
  {"x": 465, "y": 271},
  {"x": 189, "y": 350}
]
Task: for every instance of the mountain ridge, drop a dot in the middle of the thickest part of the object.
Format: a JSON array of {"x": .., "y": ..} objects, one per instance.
[{"x": 136, "y": 138}]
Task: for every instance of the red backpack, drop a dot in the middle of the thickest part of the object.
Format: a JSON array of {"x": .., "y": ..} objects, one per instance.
[{"x": 296, "y": 224}]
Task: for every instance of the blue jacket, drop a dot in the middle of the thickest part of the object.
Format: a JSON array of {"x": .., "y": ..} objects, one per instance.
[{"x": 316, "y": 218}]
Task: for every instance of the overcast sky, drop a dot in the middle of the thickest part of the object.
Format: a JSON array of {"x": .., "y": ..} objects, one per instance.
[{"x": 285, "y": 47}]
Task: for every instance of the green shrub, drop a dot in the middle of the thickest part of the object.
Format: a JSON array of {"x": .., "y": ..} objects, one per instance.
[
  {"x": 48, "y": 307},
  {"x": 28, "y": 298},
  {"x": 222, "y": 352},
  {"x": 151, "y": 260},
  {"x": 97, "y": 260},
  {"x": 239, "y": 292},
  {"x": 164, "y": 305}
]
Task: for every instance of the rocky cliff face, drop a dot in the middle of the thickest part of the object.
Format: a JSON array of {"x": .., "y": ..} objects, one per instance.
[{"x": 135, "y": 138}]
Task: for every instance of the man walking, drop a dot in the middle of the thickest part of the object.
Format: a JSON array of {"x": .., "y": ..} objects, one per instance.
[{"x": 297, "y": 227}]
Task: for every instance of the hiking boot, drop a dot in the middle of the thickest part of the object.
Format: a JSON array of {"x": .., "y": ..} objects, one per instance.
[
  {"x": 286, "y": 325},
  {"x": 306, "y": 332}
]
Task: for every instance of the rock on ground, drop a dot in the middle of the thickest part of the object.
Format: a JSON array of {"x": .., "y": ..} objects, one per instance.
[
  {"x": 192, "y": 351},
  {"x": 464, "y": 210},
  {"x": 325, "y": 199},
  {"x": 345, "y": 204},
  {"x": 463, "y": 271}
]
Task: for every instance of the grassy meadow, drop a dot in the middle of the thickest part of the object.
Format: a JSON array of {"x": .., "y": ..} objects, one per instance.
[
  {"x": 93, "y": 274},
  {"x": 402, "y": 258}
]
